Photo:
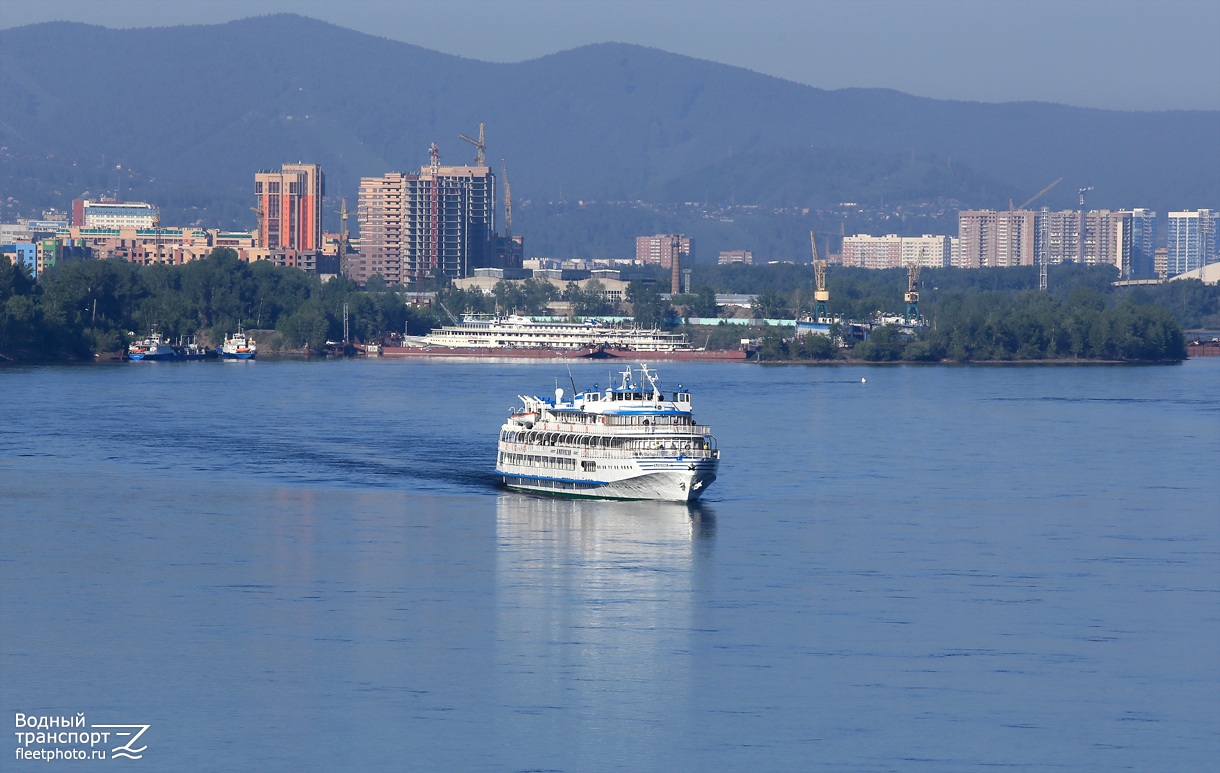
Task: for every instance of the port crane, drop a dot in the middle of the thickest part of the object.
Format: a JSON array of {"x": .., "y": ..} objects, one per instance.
[
  {"x": 480, "y": 158},
  {"x": 912, "y": 294},
  {"x": 821, "y": 296}
]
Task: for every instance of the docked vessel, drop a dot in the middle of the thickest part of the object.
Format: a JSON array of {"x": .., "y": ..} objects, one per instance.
[
  {"x": 188, "y": 349},
  {"x": 631, "y": 441},
  {"x": 150, "y": 348},
  {"x": 518, "y": 336},
  {"x": 238, "y": 347}
]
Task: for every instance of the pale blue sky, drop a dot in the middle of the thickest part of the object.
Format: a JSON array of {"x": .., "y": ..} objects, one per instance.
[{"x": 1123, "y": 54}]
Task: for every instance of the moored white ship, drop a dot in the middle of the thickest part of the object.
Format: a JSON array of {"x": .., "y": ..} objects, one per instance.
[
  {"x": 630, "y": 441},
  {"x": 484, "y": 335},
  {"x": 238, "y": 347},
  {"x": 151, "y": 348}
]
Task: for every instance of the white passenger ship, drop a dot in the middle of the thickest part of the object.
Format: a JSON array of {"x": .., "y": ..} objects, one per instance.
[
  {"x": 632, "y": 441},
  {"x": 519, "y": 332}
]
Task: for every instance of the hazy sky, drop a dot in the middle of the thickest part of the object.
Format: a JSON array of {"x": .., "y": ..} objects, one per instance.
[{"x": 1125, "y": 54}]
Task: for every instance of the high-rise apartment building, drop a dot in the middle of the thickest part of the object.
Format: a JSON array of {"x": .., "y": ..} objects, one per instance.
[
  {"x": 864, "y": 251},
  {"x": 730, "y": 257},
  {"x": 994, "y": 238},
  {"x": 290, "y": 207},
  {"x": 1190, "y": 241},
  {"x": 1107, "y": 240},
  {"x": 1143, "y": 243},
  {"x": 929, "y": 250},
  {"x": 451, "y": 221},
  {"x": 382, "y": 215},
  {"x": 991, "y": 238},
  {"x": 661, "y": 249},
  {"x": 1059, "y": 237},
  {"x": 440, "y": 221},
  {"x": 893, "y": 251}
]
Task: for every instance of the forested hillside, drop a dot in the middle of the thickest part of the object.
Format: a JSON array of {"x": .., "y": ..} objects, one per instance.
[{"x": 190, "y": 113}]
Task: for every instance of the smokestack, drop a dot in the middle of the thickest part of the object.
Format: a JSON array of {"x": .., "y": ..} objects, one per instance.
[{"x": 675, "y": 283}]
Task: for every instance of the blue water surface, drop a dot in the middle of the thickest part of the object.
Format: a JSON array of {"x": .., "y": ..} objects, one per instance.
[{"x": 287, "y": 565}]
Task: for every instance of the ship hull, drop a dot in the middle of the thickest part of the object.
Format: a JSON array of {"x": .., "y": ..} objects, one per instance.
[
  {"x": 588, "y": 353},
  {"x": 664, "y": 479},
  {"x": 152, "y": 356}
]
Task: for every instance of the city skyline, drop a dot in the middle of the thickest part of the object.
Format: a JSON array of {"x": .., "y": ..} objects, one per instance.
[{"x": 1110, "y": 55}]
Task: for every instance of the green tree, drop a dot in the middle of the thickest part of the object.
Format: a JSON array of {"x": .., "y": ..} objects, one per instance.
[
  {"x": 647, "y": 306},
  {"x": 884, "y": 344},
  {"x": 772, "y": 346},
  {"x": 770, "y": 304}
]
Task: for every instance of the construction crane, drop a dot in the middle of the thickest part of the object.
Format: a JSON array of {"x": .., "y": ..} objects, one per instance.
[
  {"x": 821, "y": 296},
  {"x": 258, "y": 234},
  {"x": 508, "y": 205},
  {"x": 1083, "y": 234},
  {"x": 480, "y": 146},
  {"x": 1035, "y": 197},
  {"x": 433, "y": 260},
  {"x": 912, "y": 293},
  {"x": 343, "y": 236}
]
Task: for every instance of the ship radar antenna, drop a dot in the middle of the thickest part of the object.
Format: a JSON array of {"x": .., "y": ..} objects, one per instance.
[{"x": 571, "y": 380}]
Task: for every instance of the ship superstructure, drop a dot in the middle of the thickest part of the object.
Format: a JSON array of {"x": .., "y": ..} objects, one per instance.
[{"x": 151, "y": 348}]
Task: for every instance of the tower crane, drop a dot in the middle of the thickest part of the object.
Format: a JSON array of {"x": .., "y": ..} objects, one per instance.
[
  {"x": 343, "y": 236},
  {"x": 433, "y": 260},
  {"x": 258, "y": 234},
  {"x": 821, "y": 296},
  {"x": 1083, "y": 238},
  {"x": 1036, "y": 196},
  {"x": 508, "y": 205},
  {"x": 480, "y": 146},
  {"x": 912, "y": 293}
]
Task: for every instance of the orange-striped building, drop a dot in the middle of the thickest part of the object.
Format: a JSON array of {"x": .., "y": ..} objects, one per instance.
[{"x": 290, "y": 207}]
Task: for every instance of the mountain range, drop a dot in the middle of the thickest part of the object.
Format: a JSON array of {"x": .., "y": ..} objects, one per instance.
[{"x": 190, "y": 113}]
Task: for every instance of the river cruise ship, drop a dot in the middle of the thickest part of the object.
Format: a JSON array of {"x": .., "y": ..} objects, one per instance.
[
  {"x": 483, "y": 335},
  {"x": 519, "y": 332},
  {"x": 631, "y": 441}
]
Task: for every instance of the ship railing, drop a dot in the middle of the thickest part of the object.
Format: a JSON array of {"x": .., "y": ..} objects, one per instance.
[
  {"x": 666, "y": 451},
  {"x": 626, "y": 430}
]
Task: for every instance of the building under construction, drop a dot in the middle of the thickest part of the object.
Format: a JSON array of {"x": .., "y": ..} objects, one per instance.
[{"x": 437, "y": 222}]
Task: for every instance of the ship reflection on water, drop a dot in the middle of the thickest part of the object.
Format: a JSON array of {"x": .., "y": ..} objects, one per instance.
[{"x": 603, "y": 594}]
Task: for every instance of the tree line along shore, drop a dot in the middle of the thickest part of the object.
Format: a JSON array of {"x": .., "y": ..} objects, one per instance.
[{"x": 78, "y": 310}]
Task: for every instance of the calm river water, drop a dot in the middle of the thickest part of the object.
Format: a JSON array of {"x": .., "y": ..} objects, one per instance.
[{"x": 309, "y": 566}]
